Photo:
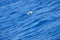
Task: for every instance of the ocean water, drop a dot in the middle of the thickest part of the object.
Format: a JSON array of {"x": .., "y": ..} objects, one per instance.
[{"x": 29, "y": 19}]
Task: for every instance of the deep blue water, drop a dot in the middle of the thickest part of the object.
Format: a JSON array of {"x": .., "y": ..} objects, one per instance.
[{"x": 17, "y": 24}]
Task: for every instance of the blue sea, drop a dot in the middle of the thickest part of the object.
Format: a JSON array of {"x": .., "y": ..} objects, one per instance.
[{"x": 29, "y": 19}]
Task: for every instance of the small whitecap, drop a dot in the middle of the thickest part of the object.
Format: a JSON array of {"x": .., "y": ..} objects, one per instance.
[{"x": 30, "y": 12}]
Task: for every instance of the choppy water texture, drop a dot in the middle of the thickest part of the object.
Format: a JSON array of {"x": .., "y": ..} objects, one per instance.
[{"x": 42, "y": 23}]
